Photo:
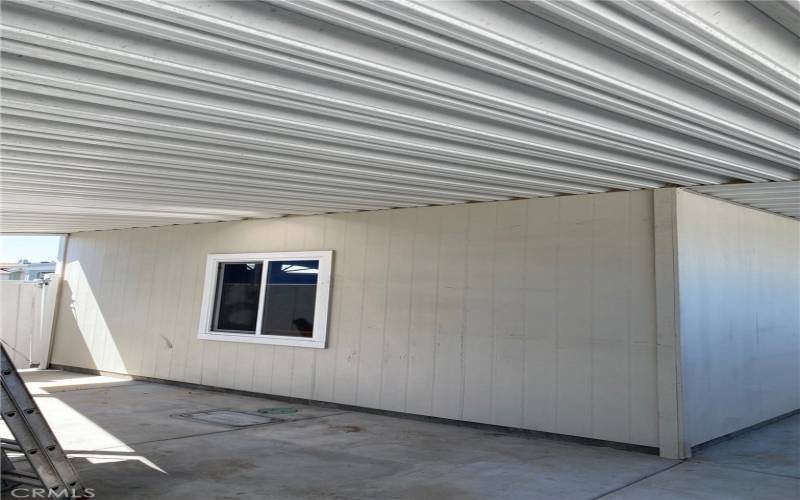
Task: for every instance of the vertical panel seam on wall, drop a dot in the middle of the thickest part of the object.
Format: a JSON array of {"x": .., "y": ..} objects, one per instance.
[
  {"x": 677, "y": 325},
  {"x": 102, "y": 278},
  {"x": 359, "y": 343},
  {"x": 208, "y": 246},
  {"x": 492, "y": 363},
  {"x": 185, "y": 265},
  {"x": 436, "y": 313},
  {"x": 196, "y": 272},
  {"x": 161, "y": 312},
  {"x": 465, "y": 304},
  {"x": 112, "y": 355},
  {"x": 557, "y": 314},
  {"x": 629, "y": 315},
  {"x": 161, "y": 235},
  {"x": 592, "y": 297},
  {"x": 199, "y": 284},
  {"x": 133, "y": 276},
  {"x": 359, "y": 357},
  {"x": 172, "y": 321},
  {"x": 523, "y": 288},
  {"x": 387, "y": 276},
  {"x": 158, "y": 235},
  {"x": 139, "y": 278},
  {"x": 759, "y": 380},
  {"x": 339, "y": 313},
  {"x": 436, "y": 319},
  {"x": 107, "y": 284},
  {"x": 386, "y": 305},
  {"x": 86, "y": 294},
  {"x": 130, "y": 286},
  {"x": 109, "y": 359},
  {"x": 75, "y": 304},
  {"x": 410, "y": 308},
  {"x": 94, "y": 274},
  {"x": 74, "y": 282}
]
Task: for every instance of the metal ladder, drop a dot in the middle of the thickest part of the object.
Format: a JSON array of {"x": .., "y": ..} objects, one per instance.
[{"x": 34, "y": 439}]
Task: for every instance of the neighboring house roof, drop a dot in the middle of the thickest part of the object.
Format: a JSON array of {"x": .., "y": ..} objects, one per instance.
[{"x": 28, "y": 269}]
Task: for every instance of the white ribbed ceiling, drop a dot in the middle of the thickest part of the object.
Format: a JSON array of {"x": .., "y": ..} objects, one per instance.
[{"x": 140, "y": 113}]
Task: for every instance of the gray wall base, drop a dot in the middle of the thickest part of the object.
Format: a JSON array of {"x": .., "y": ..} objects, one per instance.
[{"x": 650, "y": 450}]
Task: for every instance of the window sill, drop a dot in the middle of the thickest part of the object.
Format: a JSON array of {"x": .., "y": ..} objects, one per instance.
[{"x": 263, "y": 339}]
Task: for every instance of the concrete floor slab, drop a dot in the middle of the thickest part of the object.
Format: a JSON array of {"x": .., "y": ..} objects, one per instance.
[
  {"x": 353, "y": 455},
  {"x": 703, "y": 481},
  {"x": 128, "y": 444},
  {"x": 773, "y": 449},
  {"x": 139, "y": 412}
]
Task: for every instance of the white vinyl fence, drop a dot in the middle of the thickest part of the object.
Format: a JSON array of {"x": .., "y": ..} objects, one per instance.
[{"x": 26, "y": 316}]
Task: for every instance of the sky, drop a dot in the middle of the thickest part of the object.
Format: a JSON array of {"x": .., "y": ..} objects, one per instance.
[{"x": 33, "y": 248}]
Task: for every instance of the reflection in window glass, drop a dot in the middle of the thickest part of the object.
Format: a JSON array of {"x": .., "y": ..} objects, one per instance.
[
  {"x": 290, "y": 298},
  {"x": 237, "y": 292}
]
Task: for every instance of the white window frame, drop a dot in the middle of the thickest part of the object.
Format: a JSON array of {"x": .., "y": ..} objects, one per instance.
[{"x": 320, "y": 333}]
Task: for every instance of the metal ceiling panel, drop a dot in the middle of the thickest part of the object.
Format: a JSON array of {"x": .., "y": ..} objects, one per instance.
[
  {"x": 779, "y": 197},
  {"x": 150, "y": 112}
]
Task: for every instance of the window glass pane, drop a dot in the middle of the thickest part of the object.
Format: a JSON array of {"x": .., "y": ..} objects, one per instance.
[
  {"x": 290, "y": 298},
  {"x": 236, "y": 303}
]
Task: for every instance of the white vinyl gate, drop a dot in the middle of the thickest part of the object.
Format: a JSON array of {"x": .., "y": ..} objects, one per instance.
[{"x": 26, "y": 317}]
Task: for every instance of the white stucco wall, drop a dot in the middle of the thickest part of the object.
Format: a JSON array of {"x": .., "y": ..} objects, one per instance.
[
  {"x": 536, "y": 314},
  {"x": 739, "y": 289}
]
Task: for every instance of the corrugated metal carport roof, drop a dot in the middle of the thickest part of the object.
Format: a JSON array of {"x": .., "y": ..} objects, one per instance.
[
  {"x": 779, "y": 197},
  {"x": 124, "y": 114}
]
